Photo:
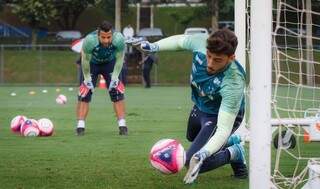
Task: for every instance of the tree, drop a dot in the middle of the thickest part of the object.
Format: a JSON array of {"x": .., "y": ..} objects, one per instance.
[
  {"x": 33, "y": 12},
  {"x": 68, "y": 11},
  {"x": 109, "y": 7},
  {"x": 215, "y": 8}
]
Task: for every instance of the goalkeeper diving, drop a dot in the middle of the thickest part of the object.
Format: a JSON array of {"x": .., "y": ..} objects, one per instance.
[{"x": 217, "y": 85}]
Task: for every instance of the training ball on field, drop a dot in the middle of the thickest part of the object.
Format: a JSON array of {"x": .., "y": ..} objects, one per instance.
[
  {"x": 45, "y": 127},
  {"x": 16, "y": 123},
  {"x": 13, "y": 94},
  {"x": 44, "y": 91},
  {"x": 167, "y": 156},
  {"x": 30, "y": 128},
  {"x": 61, "y": 99}
]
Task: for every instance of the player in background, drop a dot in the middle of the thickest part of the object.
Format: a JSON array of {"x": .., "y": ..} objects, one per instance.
[
  {"x": 217, "y": 86},
  {"x": 102, "y": 53}
]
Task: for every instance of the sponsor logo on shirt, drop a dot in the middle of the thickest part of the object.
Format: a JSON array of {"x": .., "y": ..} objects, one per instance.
[{"x": 198, "y": 60}]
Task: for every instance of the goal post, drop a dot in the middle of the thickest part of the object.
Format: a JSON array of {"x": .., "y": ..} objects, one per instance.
[{"x": 260, "y": 94}]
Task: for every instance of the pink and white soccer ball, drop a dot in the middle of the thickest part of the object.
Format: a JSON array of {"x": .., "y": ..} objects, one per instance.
[
  {"x": 45, "y": 127},
  {"x": 30, "y": 128},
  {"x": 168, "y": 156},
  {"x": 61, "y": 99},
  {"x": 16, "y": 123}
]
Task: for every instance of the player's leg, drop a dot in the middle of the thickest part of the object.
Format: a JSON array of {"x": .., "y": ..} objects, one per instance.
[
  {"x": 146, "y": 74},
  {"x": 117, "y": 99},
  {"x": 239, "y": 167},
  {"x": 83, "y": 103},
  {"x": 194, "y": 124},
  {"x": 234, "y": 154}
]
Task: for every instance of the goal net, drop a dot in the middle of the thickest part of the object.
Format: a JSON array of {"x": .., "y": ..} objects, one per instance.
[
  {"x": 295, "y": 99},
  {"x": 295, "y": 90}
]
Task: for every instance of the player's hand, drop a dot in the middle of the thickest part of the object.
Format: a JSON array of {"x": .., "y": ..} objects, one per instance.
[
  {"x": 113, "y": 84},
  {"x": 85, "y": 87},
  {"x": 134, "y": 41},
  {"x": 116, "y": 86},
  {"x": 195, "y": 165},
  {"x": 148, "y": 47}
]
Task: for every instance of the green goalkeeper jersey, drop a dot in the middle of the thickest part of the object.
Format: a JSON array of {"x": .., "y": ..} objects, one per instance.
[
  {"x": 210, "y": 93},
  {"x": 220, "y": 94},
  {"x": 95, "y": 53},
  {"x": 223, "y": 90}
]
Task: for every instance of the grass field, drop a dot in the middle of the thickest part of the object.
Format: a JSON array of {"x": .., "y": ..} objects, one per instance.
[{"x": 100, "y": 159}]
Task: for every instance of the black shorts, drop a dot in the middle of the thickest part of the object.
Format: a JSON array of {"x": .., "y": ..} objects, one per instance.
[
  {"x": 198, "y": 120},
  {"x": 106, "y": 71}
]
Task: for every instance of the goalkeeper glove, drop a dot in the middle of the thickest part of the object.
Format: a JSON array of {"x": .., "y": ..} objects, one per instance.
[
  {"x": 195, "y": 165},
  {"x": 85, "y": 87},
  {"x": 116, "y": 85},
  {"x": 145, "y": 46}
]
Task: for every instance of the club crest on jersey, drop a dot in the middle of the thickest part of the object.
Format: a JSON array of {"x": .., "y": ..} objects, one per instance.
[{"x": 217, "y": 81}]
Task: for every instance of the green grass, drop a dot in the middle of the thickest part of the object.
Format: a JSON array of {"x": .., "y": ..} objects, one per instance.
[
  {"x": 100, "y": 159},
  {"x": 53, "y": 67},
  {"x": 103, "y": 159}
]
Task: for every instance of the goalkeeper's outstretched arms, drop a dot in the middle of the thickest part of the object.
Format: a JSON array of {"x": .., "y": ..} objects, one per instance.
[{"x": 172, "y": 43}]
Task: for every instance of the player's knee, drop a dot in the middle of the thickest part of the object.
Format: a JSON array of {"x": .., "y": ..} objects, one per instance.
[
  {"x": 116, "y": 96},
  {"x": 190, "y": 137},
  {"x": 87, "y": 98}
]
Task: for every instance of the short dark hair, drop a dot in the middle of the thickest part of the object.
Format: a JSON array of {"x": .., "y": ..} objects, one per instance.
[
  {"x": 105, "y": 26},
  {"x": 222, "y": 41}
]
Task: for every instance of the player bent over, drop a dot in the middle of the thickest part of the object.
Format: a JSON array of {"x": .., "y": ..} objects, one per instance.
[
  {"x": 102, "y": 53},
  {"x": 217, "y": 86}
]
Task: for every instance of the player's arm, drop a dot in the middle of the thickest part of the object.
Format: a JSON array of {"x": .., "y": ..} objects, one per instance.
[
  {"x": 85, "y": 64},
  {"x": 172, "y": 43},
  {"x": 118, "y": 42},
  {"x": 118, "y": 65},
  {"x": 232, "y": 94},
  {"x": 87, "y": 85}
]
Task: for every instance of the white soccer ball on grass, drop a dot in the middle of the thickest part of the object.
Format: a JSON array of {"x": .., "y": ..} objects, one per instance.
[
  {"x": 45, "y": 126},
  {"x": 61, "y": 99},
  {"x": 168, "y": 156},
  {"x": 30, "y": 128},
  {"x": 16, "y": 123}
]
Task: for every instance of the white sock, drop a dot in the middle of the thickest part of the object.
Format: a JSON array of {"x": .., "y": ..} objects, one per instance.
[
  {"x": 122, "y": 122},
  {"x": 232, "y": 152},
  {"x": 81, "y": 124}
]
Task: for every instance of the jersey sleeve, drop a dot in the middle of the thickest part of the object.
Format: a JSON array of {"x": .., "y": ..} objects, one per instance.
[
  {"x": 182, "y": 42},
  {"x": 118, "y": 42},
  {"x": 232, "y": 89},
  {"x": 87, "y": 47}
]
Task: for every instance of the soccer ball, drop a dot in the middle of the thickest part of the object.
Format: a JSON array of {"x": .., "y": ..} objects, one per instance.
[
  {"x": 61, "y": 99},
  {"x": 45, "y": 127},
  {"x": 167, "y": 156},
  {"x": 16, "y": 123},
  {"x": 30, "y": 128}
]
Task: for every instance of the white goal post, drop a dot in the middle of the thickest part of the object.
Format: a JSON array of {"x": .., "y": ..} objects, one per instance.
[
  {"x": 281, "y": 40},
  {"x": 260, "y": 94}
]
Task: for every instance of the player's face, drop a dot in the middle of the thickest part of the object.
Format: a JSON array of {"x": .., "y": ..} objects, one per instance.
[
  {"x": 217, "y": 62},
  {"x": 105, "y": 38}
]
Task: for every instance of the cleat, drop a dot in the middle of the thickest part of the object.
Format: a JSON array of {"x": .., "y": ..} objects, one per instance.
[
  {"x": 80, "y": 131},
  {"x": 123, "y": 131},
  {"x": 233, "y": 139},
  {"x": 240, "y": 170},
  {"x": 238, "y": 162},
  {"x": 239, "y": 154}
]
